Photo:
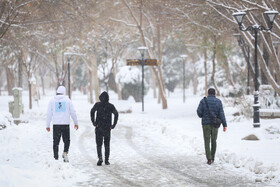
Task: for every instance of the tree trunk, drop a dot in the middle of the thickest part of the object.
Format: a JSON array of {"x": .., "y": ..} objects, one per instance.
[
  {"x": 159, "y": 97},
  {"x": 161, "y": 82},
  {"x": 95, "y": 80},
  {"x": 10, "y": 84},
  {"x": 223, "y": 61},
  {"x": 195, "y": 82},
  {"x": 160, "y": 87},
  {"x": 205, "y": 70},
  {"x": 20, "y": 71},
  {"x": 214, "y": 66},
  {"x": 266, "y": 59},
  {"x": 268, "y": 74},
  {"x": 251, "y": 69},
  {"x": 89, "y": 73},
  {"x": 154, "y": 87},
  {"x": 117, "y": 84},
  {"x": 42, "y": 82},
  {"x": 73, "y": 75},
  {"x": 30, "y": 94}
]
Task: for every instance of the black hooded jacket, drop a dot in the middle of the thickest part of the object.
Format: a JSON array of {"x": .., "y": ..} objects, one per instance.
[{"x": 104, "y": 111}]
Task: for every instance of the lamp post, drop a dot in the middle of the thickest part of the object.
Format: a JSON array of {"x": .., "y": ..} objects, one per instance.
[
  {"x": 269, "y": 16},
  {"x": 142, "y": 51},
  {"x": 184, "y": 76},
  {"x": 69, "y": 54},
  {"x": 242, "y": 43},
  {"x": 69, "y": 84}
]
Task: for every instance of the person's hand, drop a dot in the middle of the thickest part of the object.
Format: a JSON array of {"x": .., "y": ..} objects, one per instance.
[
  {"x": 225, "y": 129},
  {"x": 112, "y": 127},
  {"x": 48, "y": 129},
  {"x": 76, "y": 127}
]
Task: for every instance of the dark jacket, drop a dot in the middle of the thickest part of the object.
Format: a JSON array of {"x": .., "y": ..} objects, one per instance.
[
  {"x": 215, "y": 107},
  {"x": 104, "y": 111}
]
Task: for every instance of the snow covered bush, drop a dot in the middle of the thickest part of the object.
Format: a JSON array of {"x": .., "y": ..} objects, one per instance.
[
  {"x": 130, "y": 80},
  {"x": 267, "y": 98},
  {"x": 6, "y": 119},
  {"x": 241, "y": 106}
]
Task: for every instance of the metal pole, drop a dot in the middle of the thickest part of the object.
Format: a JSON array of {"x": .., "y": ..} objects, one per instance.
[
  {"x": 68, "y": 63},
  {"x": 184, "y": 81},
  {"x": 142, "y": 63},
  {"x": 256, "y": 119},
  {"x": 248, "y": 72}
]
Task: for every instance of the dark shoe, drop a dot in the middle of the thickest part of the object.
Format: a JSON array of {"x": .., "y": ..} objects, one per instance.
[
  {"x": 209, "y": 162},
  {"x": 56, "y": 158},
  {"x": 99, "y": 163},
  {"x": 107, "y": 162}
]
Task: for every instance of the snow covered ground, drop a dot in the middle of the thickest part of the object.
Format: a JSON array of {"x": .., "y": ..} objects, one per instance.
[{"x": 154, "y": 148}]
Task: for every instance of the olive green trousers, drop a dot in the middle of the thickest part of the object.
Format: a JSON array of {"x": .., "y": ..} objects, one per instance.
[{"x": 210, "y": 135}]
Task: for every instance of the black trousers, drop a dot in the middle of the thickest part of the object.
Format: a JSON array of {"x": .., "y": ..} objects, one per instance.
[
  {"x": 58, "y": 131},
  {"x": 100, "y": 135}
]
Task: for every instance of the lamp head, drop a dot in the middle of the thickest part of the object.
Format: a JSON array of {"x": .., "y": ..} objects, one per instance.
[
  {"x": 239, "y": 17},
  {"x": 270, "y": 16},
  {"x": 142, "y": 50}
]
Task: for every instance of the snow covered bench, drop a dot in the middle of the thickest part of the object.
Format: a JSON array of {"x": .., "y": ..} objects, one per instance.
[{"x": 269, "y": 113}]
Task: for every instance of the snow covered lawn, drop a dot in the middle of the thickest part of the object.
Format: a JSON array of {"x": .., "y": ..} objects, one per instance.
[{"x": 154, "y": 148}]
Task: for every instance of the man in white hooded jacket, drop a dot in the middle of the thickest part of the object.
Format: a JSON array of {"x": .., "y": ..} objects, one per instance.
[{"x": 59, "y": 111}]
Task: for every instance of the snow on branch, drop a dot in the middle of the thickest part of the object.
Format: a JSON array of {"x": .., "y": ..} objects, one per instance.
[
  {"x": 208, "y": 27},
  {"x": 4, "y": 23},
  {"x": 131, "y": 12},
  {"x": 122, "y": 21},
  {"x": 255, "y": 4},
  {"x": 275, "y": 35},
  {"x": 222, "y": 5},
  {"x": 26, "y": 3},
  {"x": 231, "y": 20}
]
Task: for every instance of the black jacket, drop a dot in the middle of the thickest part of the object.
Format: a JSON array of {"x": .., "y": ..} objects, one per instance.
[{"x": 104, "y": 111}]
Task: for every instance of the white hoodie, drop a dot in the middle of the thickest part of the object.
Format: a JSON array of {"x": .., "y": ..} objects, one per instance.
[{"x": 60, "y": 109}]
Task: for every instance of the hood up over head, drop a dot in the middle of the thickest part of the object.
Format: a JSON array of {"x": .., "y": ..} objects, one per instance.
[
  {"x": 61, "y": 90},
  {"x": 104, "y": 97}
]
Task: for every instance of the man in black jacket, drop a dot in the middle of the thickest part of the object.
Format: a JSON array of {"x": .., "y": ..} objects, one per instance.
[{"x": 103, "y": 125}]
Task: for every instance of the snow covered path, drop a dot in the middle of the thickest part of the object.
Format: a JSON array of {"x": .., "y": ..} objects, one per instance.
[{"x": 139, "y": 160}]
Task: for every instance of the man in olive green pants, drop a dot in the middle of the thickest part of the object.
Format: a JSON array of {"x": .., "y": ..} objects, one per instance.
[{"x": 210, "y": 133}]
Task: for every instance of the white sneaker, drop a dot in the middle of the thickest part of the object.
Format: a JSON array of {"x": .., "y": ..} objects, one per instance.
[{"x": 65, "y": 157}]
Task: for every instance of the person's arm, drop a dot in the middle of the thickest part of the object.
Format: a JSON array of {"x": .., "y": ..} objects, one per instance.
[
  {"x": 222, "y": 115},
  {"x": 92, "y": 115},
  {"x": 49, "y": 116},
  {"x": 200, "y": 109},
  {"x": 73, "y": 115},
  {"x": 116, "y": 117}
]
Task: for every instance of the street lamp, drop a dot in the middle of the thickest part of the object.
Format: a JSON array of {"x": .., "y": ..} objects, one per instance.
[
  {"x": 269, "y": 16},
  {"x": 142, "y": 52},
  {"x": 242, "y": 43},
  {"x": 184, "y": 76}
]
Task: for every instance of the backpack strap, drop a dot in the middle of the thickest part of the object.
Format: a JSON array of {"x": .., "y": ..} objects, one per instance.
[{"x": 207, "y": 107}]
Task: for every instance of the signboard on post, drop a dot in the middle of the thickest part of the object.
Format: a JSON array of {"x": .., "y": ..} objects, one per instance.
[
  {"x": 135, "y": 62},
  {"x": 151, "y": 62}
]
